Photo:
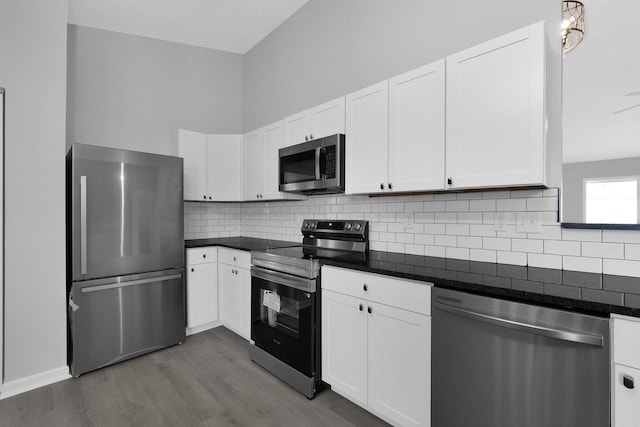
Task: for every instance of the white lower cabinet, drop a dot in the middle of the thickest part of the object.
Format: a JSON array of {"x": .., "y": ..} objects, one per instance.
[
  {"x": 625, "y": 372},
  {"x": 376, "y": 343},
  {"x": 202, "y": 289},
  {"x": 235, "y": 291}
]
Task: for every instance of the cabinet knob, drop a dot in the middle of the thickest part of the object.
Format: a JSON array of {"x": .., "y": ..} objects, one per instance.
[
  {"x": 449, "y": 180},
  {"x": 192, "y": 270},
  {"x": 310, "y": 137},
  {"x": 257, "y": 196},
  {"x": 628, "y": 381},
  {"x": 234, "y": 258},
  {"x": 369, "y": 310},
  {"x": 204, "y": 197},
  {"x": 365, "y": 287},
  {"x": 204, "y": 255},
  {"x": 306, "y": 138},
  {"x": 381, "y": 186},
  {"x": 209, "y": 197},
  {"x": 361, "y": 307},
  {"x": 390, "y": 187}
]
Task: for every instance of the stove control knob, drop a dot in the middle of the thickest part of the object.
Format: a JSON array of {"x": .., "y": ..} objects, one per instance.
[
  {"x": 312, "y": 225},
  {"x": 358, "y": 227},
  {"x": 305, "y": 225},
  {"x": 347, "y": 226}
]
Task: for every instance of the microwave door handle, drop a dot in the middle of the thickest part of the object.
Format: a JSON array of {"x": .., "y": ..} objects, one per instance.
[{"x": 318, "y": 151}]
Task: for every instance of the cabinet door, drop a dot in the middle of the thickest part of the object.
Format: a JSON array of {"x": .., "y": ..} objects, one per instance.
[
  {"x": 344, "y": 345},
  {"x": 192, "y": 147},
  {"x": 202, "y": 294},
  {"x": 297, "y": 128},
  {"x": 495, "y": 112},
  {"x": 230, "y": 298},
  {"x": 416, "y": 129},
  {"x": 254, "y": 165},
  {"x": 273, "y": 141},
  {"x": 244, "y": 281},
  {"x": 626, "y": 411},
  {"x": 367, "y": 130},
  {"x": 225, "y": 167},
  {"x": 328, "y": 118},
  {"x": 399, "y": 364}
]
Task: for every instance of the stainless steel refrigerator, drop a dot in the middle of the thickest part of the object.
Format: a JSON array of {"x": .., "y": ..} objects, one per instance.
[{"x": 125, "y": 255}]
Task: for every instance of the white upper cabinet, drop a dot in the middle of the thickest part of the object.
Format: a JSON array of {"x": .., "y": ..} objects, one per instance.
[
  {"x": 323, "y": 120},
  {"x": 212, "y": 166},
  {"x": 417, "y": 129},
  {"x": 366, "y": 142},
  {"x": 261, "y": 164},
  {"x": 192, "y": 147},
  {"x": 254, "y": 165},
  {"x": 495, "y": 112},
  {"x": 225, "y": 160}
]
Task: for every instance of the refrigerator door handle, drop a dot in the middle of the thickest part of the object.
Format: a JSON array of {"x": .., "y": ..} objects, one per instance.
[
  {"x": 130, "y": 283},
  {"x": 83, "y": 224}
]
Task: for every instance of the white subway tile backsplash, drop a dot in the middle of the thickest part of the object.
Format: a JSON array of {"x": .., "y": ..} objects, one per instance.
[
  {"x": 621, "y": 236},
  {"x": 620, "y": 267},
  {"x": 483, "y": 255},
  {"x": 457, "y": 253},
  {"x": 632, "y": 251},
  {"x": 482, "y": 205},
  {"x": 457, "y": 206},
  {"x": 542, "y": 204},
  {"x": 456, "y": 225},
  {"x": 589, "y": 265},
  {"x": 545, "y": 261},
  {"x": 457, "y": 229},
  {"x": 560, "y": 247},
  {"x": 514, "y": 258},
  {"x": 581, "y": 235},
  {"x": 496, "y": 243},
  {"x": 603, "y": 250},
  {"x": 511, "y": 205}
]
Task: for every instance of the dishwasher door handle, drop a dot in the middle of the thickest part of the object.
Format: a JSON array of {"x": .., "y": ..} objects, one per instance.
[{"x": 588, "y": 339}]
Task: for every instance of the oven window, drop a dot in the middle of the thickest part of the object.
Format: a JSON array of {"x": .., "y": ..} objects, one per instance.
[
  {"x": 299, "y": 167},
  {"x": 282, "y": 312}
]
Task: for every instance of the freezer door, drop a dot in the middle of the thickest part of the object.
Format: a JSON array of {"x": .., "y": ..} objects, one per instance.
[
  {"x": 126, "y": 212},
  {"x": 119, "y": 318}
]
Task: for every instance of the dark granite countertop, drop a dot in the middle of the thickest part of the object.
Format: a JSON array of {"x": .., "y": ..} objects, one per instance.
[
  {"x": 591, "y": 293},
  {"x": 241, "y": 243}
]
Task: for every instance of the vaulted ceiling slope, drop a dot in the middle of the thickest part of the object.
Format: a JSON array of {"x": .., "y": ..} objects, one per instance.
[{"x": 228, "y": 25}]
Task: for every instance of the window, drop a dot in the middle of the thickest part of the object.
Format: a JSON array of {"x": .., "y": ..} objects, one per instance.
[{"x": 611, "y": 200}]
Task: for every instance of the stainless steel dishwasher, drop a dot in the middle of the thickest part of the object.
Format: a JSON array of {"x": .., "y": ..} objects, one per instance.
[{"x": 498, "y": 363}]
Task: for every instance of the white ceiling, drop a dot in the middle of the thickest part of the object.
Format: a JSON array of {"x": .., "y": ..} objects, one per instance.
[
  {"x": 229, "y": 25},
  {"x": 601, "y": 111}
]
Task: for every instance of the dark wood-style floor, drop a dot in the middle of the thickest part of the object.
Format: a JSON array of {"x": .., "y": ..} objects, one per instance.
[{"x": 207, "y": 381}]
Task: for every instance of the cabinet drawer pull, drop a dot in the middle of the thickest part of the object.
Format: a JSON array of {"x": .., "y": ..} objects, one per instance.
[
  {"x": 390, "y": 187},
  {"x": 365, "y": 287},
  {"x": 361, "y": 307},
  {"x": 628, "y": 381},
  {"x": 369, "y": 310},
  {"x": 234, "y": 258},
  {"x": 381, "y": 186},
  {"x": 449, "y": 181}
]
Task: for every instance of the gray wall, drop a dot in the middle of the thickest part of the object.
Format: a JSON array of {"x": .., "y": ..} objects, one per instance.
[
  {"x": 33, "y": 45},
  {"x": 135, "y": 92},
  {"x": 330, "y": 48},
  {"x": 573, "y": 175}
]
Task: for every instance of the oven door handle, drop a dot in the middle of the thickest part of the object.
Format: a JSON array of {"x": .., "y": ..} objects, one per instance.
[{"x": 308, "y": 285}]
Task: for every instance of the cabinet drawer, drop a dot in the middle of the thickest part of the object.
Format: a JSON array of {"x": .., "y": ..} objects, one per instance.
[
  {"x": 202, "y": 255},
  {"x": 626, "y": 341},
  {"x": 241, "y": 259},
  {"x": 402, "y": 293}
]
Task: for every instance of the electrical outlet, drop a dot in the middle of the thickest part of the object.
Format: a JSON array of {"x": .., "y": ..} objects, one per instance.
[
  {"x": 528, "y": 222},
  {"x": 500, "y": 222}
]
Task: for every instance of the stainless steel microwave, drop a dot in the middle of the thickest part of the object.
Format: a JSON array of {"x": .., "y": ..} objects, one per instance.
[{"x": 313, "y": 167}]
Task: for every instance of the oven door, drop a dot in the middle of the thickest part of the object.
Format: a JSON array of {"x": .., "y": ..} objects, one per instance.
[{"x": 283, "y": 312}]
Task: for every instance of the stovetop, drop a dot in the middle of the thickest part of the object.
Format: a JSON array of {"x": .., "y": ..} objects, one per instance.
[{"x": 312, "y": 254}]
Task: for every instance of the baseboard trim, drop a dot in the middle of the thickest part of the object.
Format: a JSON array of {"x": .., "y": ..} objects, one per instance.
[
  {"x": 32, "y": 382},
  {"x": 203, "y": 327}
]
